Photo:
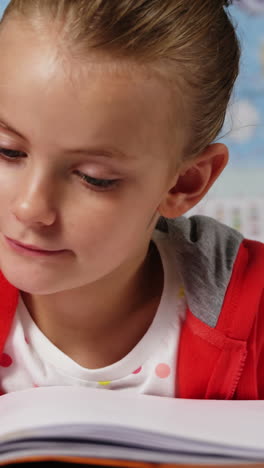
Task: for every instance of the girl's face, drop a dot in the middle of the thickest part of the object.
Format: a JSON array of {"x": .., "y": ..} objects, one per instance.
[{"x": 84, "y": 163}]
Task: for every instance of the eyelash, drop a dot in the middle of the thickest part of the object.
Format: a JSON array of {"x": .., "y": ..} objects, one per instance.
[{"x": 102, "y": 184}]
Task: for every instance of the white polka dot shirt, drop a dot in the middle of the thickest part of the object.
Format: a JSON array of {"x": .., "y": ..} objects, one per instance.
[{"x": 31, "y": 360}]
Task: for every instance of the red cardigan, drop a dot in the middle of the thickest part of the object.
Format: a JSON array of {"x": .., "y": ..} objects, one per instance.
[
  {"x": 224, "y": 362},
  {"x": 227, "y": 362}
]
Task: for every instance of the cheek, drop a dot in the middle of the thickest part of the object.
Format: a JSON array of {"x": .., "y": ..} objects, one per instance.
[
  {"x": 7, "y": 193},
  {"x": 109, "y": 231},
  {"x": 9, "y": 183}
]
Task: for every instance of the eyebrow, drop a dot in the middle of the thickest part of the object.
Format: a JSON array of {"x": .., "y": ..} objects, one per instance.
[
  {"x": 107, "y": 152},
  {"x": 8, "y": 127}
]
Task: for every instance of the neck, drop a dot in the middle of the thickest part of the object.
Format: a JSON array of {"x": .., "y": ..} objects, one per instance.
[{"x": 74, "y": 318}]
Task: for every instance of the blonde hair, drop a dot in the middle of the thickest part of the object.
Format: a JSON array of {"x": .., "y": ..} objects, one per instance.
[{"x": 196, "y": 37}]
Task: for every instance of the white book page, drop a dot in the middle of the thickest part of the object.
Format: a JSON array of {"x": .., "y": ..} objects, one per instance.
[{"x": 231, "y": 423}]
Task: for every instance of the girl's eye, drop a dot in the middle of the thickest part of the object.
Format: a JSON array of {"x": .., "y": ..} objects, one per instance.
[
  {"x": 102, "y": 184},
  {"x": 11, "y": 154}
]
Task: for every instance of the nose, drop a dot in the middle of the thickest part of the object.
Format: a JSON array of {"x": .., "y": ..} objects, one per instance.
[{"x": 34, "y": 203}]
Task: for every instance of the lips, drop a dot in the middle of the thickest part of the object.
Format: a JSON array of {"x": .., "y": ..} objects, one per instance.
[{"x": 31, "y": 248}]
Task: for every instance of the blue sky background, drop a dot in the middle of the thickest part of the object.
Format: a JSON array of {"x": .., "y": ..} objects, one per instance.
[
  {"x": 248, "y": 151},
  {"x": 3, "y": 4}
]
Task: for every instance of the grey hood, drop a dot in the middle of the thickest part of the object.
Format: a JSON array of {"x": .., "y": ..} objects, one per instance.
[{"x": 206, "y": 251}]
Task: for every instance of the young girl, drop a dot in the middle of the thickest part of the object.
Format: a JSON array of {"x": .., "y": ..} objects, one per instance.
[{"x": 108, "y": 114}]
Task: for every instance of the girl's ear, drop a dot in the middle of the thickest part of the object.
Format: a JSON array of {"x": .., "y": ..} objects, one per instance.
[{"x": 193, "y": 180}]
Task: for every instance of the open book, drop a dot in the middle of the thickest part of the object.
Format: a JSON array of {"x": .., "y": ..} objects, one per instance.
[{"x": 99, "y": 426}]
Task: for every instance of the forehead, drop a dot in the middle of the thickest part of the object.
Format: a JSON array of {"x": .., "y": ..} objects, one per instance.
[
  {"x": 94, "y": 91},
  {"x": 44, "y": 59},
  {"x": 45, "y": 50}
]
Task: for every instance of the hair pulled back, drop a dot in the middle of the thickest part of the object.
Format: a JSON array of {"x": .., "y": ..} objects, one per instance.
[{"x": 196, "y": 37}]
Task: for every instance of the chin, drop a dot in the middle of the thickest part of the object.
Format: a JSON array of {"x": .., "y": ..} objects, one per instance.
[{"x": 31, "y": 283}]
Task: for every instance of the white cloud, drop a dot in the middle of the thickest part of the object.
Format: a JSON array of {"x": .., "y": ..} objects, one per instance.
[
  {"x": 254, "y": 6},
  {"x": 241, "y": 121}
]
